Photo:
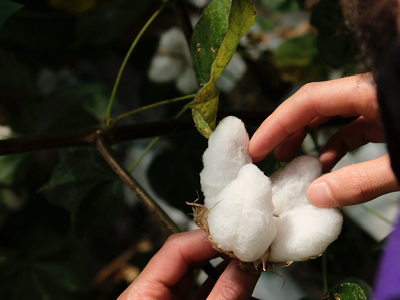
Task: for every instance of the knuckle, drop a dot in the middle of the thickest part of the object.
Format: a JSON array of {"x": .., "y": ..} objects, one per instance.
[
  {"x": 360, "y": 186},
  {"x": 231, "y": 290},
  {"x": 308, "y": 90}
]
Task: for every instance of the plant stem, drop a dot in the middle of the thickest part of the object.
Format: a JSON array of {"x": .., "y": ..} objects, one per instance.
[
  {"x": 150, "y": 106},
  {"x": 110, "y": 104},
  {"x": 150, "y": 145},
  {"x": 154, "y": 208},
  {"x": 376, "y": 214},
  {"x": 143, "y": 154}
]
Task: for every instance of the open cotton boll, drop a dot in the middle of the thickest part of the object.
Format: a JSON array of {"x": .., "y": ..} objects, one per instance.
[
  {"x": 289, "y": 184},
  {"x": 242, "y": 220},
  {"x": 304, "y": 232},
  {"x": 226, "y": 154}
]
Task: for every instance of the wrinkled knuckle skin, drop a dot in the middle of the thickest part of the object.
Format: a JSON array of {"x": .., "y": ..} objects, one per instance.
[
  {"x": 308, "y": 89},
  {"x": 360, "y": 184},
  {"x": 231, "y": 290}
]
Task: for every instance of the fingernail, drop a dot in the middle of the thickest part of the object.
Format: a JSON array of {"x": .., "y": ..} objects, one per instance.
[{"x": 320, "y": 195}]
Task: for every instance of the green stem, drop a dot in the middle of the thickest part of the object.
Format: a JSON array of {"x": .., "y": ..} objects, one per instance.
[
  {"x": 109, "y": 109},
  {"x": 373, "y": 212},
  {"x": 150, "y": 145},
  {"x": 117, "y": 119}
]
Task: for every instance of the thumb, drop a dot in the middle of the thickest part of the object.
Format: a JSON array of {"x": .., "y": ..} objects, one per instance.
[{"x": 353, "y": 184}]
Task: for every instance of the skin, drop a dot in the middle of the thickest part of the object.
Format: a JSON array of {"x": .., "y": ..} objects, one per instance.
[
  {"x": 169, "y": 274},
  {"x": 314, "y": 104}
]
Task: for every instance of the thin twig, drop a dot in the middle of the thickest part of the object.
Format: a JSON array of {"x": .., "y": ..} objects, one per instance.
[
  {"x": 154, "y": 208},
  {"x": 117, "y": 119},
  {"x": 110, "y": 104}
]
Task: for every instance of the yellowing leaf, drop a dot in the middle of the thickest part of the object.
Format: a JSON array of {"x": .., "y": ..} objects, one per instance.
[{"x": 204, "y": 46}]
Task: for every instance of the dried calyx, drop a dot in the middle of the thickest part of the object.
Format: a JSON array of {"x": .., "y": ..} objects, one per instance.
[{"x": 258, "y": 219}]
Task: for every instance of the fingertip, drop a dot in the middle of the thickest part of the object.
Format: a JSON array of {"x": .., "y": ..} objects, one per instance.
[{"x": 320, "y": 195}]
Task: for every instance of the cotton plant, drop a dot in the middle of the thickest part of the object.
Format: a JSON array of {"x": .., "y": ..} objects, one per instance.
[
  {"x": 260, "y": 219},
  {"x": 173, "y": 62}
]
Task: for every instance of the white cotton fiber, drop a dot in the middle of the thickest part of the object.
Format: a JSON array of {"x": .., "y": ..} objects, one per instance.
[
  {"x": 242, "y": 220},
  {"x": 226, "y": 153},
  {"x": 304, "y": 232},
  {"x": 289, "y": 184}
]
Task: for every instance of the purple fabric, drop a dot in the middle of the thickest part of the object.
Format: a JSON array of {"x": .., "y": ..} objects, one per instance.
[{"x": 387, "y": 285}]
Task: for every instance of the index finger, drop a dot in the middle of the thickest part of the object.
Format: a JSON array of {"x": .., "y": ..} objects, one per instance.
[{"x": 351, "y": 96}]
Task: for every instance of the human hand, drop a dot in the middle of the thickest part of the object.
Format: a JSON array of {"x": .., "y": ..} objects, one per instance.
[
  {"x": 169, "y": 274},
  {"x": 314, "y": 104}
]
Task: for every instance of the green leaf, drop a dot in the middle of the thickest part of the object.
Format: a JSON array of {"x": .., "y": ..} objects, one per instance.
[
  {"x": 7, "y": 8},
  {"x": 208, "y": 35},
  {"x": 210, "y": 56},
  {"x": 361, "y": 283},
  {"x": 85, "y": 185},
  {"x": 10, "y": 164},
  {"x": 345, "y": 291}
]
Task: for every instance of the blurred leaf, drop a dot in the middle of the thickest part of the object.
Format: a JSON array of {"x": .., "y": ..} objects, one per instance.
[
  {"x": 335, "y": 42},
  {"x": 85, "y": 185},
  {"x": 7, "y": 8},
  {"x": 10, "y": 164},
  {"x": 298, "y": 59},
  {"x": 241, "y": 17},
  {"x": 281, "y": 5},
  {"x": 345, "y": 291},
  {"x": 298, "y": 51},
  {"x": 40, "y": 268},
  {"x": 72, "y": 107}
]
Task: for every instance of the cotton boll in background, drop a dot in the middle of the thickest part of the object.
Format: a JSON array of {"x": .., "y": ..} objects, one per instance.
[
  {"x": 225, "y": 155},
  {"x": 289, "y": 184},
  {"x": 233, "y": 72},
  {"x": 173, "y": 62},
  {"x": 242, "y": 219},
  {"x": 303, "y": 232}
]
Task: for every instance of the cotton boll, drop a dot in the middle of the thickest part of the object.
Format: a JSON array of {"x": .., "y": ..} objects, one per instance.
[
  {"x": 242, "y": 220},
  {"x": 164, "y": 68},
  {"x": 226, "y": 154},
  {"x": 186, "y": 82},
  {"x": 172, "y": 40},
  {"x": 304, "y": 232},
  {"x": 289, "y": 185}
]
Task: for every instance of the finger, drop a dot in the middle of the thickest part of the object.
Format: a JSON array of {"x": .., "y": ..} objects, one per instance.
[
  {"x": 353, "y": 184},
  {"x": 234, "y": 284},
  {"x": 169, "y": 265},
  {"x": 204, "y": 290},
  {"x": 349, "y": 96},
  {"x": 352, "y": 136},
  {"x": 288, "y": 149}
]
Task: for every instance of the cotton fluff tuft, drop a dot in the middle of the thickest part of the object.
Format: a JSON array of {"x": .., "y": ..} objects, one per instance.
[
  {"x": 303, "y": 232},
  {"x": 226, "y": 154},
  {"x": 242, "y": 219},
  {"x": 289, "y": 184}
]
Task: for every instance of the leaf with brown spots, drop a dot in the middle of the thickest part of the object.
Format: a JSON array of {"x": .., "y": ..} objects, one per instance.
[{"x": 214, "y": 42}]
